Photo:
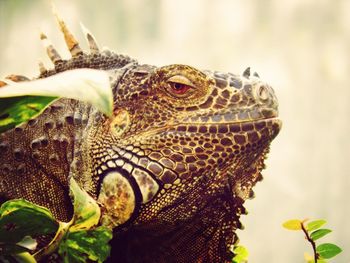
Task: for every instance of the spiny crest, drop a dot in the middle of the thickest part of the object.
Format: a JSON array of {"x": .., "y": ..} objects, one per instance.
[
  {"x": 51, "y": 51},
  {"x": 70, "y": 40},
  {"x": 91, "y": 40},
  {"x": 246, "y": 73},
  {"x": 104, "y": 60}
]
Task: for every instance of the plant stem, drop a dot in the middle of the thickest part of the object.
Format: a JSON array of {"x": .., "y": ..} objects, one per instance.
[{"x": 310, "y": 240}]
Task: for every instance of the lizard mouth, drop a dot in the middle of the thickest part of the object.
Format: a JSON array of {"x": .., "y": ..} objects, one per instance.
[{"x": 272, "y": 124}]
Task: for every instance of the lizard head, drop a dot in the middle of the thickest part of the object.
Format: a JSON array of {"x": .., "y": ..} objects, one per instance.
[
  {"x": 173, "y": 165},
  {"x": 190, "y": 145},
  {"x": 175, "y": 125}
]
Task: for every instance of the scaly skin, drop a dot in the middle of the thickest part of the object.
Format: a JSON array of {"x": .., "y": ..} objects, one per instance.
[{"x": 171, "y": 168}]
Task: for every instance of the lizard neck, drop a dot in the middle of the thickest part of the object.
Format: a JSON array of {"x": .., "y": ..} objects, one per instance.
[{"x": 39, "y": 153}]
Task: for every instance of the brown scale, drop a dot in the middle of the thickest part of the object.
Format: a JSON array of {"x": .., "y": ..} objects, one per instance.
[{"x": 195, "y": 140}]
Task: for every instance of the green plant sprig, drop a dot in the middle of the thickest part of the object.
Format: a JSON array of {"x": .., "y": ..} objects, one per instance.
[
  {"x": 80, "y": 240},
  {"x": 313, "y": 232},
  {"x": 312, "y": 242}
]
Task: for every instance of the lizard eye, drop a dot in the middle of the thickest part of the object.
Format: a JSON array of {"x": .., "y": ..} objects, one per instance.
[
  {"x": 179, "y": 88},
  {"x": 179, "y": 85}
]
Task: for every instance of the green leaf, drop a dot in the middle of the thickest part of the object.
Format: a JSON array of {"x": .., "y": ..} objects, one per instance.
[
  {"x": 294, "y": 224},
  {"x": 89, "y": 85},
  {"x": 328, "y": 250},
  {"x": 24, "y": 257},
  {"x": 319, "y": 233},
  {"x": 16, "y": 110},
  {"x": 55, "y": 242},
  {"x": 81, "y": 245},
  {"x": 313, "y": 225},
  {"x": 86, "y": 210},
  {"x": 20, "y": 218},
  {"x": 241, "y": 254}
]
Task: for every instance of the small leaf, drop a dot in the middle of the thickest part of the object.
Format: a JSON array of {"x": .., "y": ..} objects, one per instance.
[
  {"x": 85, "y": 245},
  {"x": 319, "y": 233},
  {"x": 241, "y": 254},
  {"x": 16, "y": 110},
  {"x": 86, "y": 210},
  {"x": 328, "y": 250},
  {"x": 294, "y": 224},
  {"x": 313, "y": 225},
  {"x": 24, "y": 257},
  {"x": 14, "y": 223}
]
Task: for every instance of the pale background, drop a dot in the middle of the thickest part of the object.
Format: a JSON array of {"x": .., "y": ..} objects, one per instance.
[{"x": 301, "y": 47}]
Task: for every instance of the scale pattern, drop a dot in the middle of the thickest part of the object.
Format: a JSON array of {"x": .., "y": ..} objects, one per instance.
[{"x": 171, "y": 168}]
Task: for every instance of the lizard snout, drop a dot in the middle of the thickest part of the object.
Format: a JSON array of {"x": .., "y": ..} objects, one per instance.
[{"x": 264, "y": 95}]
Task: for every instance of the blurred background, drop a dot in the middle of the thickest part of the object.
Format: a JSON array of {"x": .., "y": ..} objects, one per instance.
[{"x": 302, "y": 48}]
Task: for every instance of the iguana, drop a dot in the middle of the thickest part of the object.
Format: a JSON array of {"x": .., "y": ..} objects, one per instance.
[{"x": 170, "y": 169}]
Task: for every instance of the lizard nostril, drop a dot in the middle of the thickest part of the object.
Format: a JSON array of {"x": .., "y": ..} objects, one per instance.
[{"x": 263, "y": 93}]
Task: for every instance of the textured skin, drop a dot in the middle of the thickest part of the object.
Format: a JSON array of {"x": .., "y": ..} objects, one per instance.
[{"x": 171, "y": 168}]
